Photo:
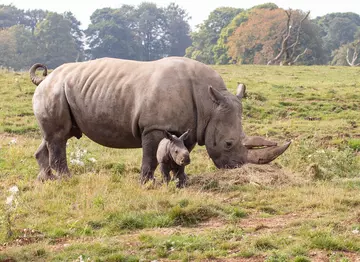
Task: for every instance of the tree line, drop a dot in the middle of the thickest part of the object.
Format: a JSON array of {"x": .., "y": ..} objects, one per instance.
[
  {"x": 260, "y": 34},
  {"x": 263, "y": 34},
  {"x": 144, "y": 32}
]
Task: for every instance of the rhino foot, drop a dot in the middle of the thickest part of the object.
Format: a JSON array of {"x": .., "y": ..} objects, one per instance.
[
  {"x": 180, "y": 177},
  {"x": 44, "y": 176},
  {"x": 181, "y": 181}
]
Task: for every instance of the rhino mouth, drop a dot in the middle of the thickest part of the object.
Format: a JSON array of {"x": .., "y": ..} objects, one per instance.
[
  {"x": 229, "y": 164},
  {"x": 184, "y": 163}
]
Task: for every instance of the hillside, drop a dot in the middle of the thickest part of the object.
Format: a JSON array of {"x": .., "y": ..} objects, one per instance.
[{"x": 304, "y": 206}]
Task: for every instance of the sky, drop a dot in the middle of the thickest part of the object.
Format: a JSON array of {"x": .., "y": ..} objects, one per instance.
[{"x": 198, "y": 10}]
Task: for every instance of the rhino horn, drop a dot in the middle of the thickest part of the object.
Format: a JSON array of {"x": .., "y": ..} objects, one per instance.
[
  {"x": 240, "y": 91},
  {"x": 35, "y": 79},
  {"x": 257, "y": 141},
  {"x": 265, "y": 155}
]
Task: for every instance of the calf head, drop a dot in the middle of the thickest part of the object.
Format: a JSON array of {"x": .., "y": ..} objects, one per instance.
[{"x": 177, "y": 150}]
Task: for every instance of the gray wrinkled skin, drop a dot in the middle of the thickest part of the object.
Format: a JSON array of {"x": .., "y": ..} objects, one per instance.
[
  {"x": 172, "y": 155},
  {"x": 128, "y": 104}
]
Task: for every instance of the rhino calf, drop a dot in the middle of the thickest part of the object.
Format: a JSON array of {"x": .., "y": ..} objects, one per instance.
[{"x": 172, "y": 155}]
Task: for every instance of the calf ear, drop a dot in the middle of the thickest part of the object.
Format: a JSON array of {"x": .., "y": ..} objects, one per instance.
[
  {"x": 168, "y": 135},
  {"x": 216, "y": 96},
  {"x": 184, "y": 136}
]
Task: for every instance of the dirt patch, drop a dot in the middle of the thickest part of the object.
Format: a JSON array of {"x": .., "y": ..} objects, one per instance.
[
  {"x": 327, "y": 256},
  {"x": 238, "y": 259},
  {"x": 270, "y": 223},
  {"x": 26, "y": 236}
]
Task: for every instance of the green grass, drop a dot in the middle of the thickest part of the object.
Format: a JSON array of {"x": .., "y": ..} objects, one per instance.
[{"x": 302, "y": 207}]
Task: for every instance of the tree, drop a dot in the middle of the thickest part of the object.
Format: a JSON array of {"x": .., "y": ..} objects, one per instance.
[
  {"x": 76, "y": 33},
  {"x": 288, "y": 50},
  {"x": 17, "y": 48},
  {"x": 205, "y": 39},
  {"x": 38, "y": 36},
  {"x": 145, "y": 32},
  {"x": 151, "y": 31},
  {"x": 112, "y": 33},
  {"x": 56, "y": 42},
  {"x": 262, "y": 36},
  {"x": 352, "y": 59},
  {"x": 177, "y": 32},
  {"x": 33, "y": 17},
  {"x": 7, "y": 48},
  {"x": 337, "y": 29},
  {"x": 221, "y": 49},
  {"x": 347, "y": 55},
  {"x": 10, "y": 16}
]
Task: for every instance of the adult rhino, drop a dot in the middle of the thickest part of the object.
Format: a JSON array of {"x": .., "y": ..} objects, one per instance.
[{"x": 128, "y": 104}]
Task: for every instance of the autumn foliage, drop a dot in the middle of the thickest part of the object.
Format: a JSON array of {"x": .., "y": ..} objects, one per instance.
[{"x": 259, "y": 39}]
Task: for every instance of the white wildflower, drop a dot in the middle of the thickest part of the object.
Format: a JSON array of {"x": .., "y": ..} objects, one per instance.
[
  {"x": 13, "y": 190},
  {"x": 80, "y": 153},
  {"x": 9, "y": 200},
  {"x": 355, "y": 231},
  {"x": 13, "y": 141},
  {"x": 91, "y": 159},
  {"x": 77, "y": 162}
]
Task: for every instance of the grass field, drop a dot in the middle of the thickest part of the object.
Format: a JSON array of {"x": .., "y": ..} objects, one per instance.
[{"x": 304, "y": 206}]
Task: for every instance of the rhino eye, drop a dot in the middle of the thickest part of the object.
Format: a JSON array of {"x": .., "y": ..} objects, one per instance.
[{"x": 176, "y": 151}]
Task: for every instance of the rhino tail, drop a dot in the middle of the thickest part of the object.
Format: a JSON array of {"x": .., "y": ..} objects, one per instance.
[{"x": 35, "y": 79}]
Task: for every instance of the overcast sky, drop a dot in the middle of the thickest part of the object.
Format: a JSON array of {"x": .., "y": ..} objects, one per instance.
[{"x": 198, "y": 10}]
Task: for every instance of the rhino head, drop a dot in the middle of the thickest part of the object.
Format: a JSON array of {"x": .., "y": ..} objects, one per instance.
[{"x": 225, "y": 141}]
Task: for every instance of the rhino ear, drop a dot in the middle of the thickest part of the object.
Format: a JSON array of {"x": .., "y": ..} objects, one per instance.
[
  {"x": 240, "y": 92},
  {"x": 216, "y": 96}
]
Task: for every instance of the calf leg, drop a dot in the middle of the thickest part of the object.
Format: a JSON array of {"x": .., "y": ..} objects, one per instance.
[
  {"x": 42, "y": 157},
  {"x": 150, "y": 142},
  {"x": 165, "y": 171},
  {"x": 179, "y": 173}
]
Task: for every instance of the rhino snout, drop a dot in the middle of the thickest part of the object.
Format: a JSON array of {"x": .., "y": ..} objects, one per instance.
[{"x": 185, "y": 160}]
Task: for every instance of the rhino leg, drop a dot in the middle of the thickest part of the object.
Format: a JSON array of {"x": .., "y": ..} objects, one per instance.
[
  {"x": 149, "y": 143},
  {"x": 57, "y": 156},
  {"x": 42, "y": 157},
  {"x": 57, "y": 128},
  {"x": 165, "y": 171}
]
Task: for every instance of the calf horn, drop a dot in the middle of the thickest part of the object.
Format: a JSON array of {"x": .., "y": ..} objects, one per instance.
[
  {"x": 35, "y": 79},
  {"x": 265, "y": 155}
]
